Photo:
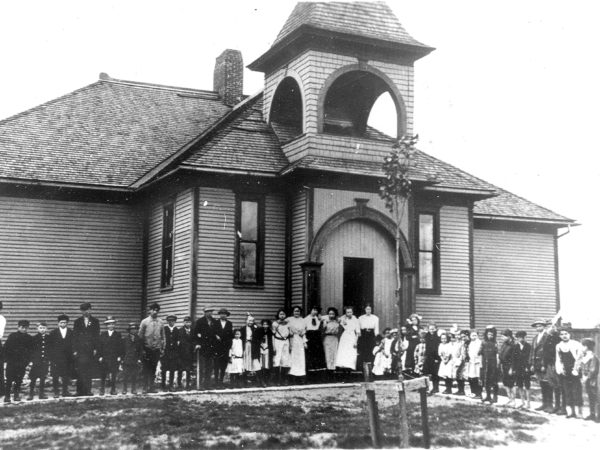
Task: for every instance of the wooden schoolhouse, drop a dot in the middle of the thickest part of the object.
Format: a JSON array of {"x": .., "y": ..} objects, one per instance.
[{"x": 124, "y": 193}]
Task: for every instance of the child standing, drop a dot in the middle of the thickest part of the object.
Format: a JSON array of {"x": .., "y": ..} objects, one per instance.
[
  {"x": 460, "y": 359},
  {"x": 17, "y": 352},
  {"x": 186, "y": 353},
  {"x": 432, "y": 359},
  {"x": 489, "y": 365},
  {"x": 568, "y": 354},
  {"x": 236, "y": 359},
  {"x": 265, "y": 337},
  {"x": 110, "y": 352},
  {"x": 170, "y": 360},
  {"x": 446, "y": 363},
  {"x": 281, "y": 346},
  {"x": 420, "y": 351},
  {"x": 589, "y": 371},
  {"x": 41, "y": 361},
  {"x": 473, "y": 368},
  {"x": 251, "y": 347},
  {"x": 330, "y": 329},
  {"x": 380, "y": 357},
  {"x": 506, "y": 356},
  {"x": 132, "y": 357},
  {"x": 521, "y": 368}
]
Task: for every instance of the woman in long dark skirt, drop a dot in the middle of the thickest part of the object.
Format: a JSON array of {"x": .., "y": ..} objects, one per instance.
[
  {"x": 315, "y": 355},
  {"x": 412, "y": 337},
  {"x": 489, "y": 365},
  {"x": 369, "y": 328}
]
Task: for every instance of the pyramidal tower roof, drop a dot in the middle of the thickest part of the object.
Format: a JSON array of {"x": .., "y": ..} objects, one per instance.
[{"x": 367, "y": 19}]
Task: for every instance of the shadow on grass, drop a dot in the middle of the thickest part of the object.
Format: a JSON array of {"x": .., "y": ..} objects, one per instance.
[{"x": 174, "y": 422}]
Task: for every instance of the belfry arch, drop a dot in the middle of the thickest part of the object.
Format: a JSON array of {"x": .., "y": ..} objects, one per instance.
[{"x": 287, "y": 109}]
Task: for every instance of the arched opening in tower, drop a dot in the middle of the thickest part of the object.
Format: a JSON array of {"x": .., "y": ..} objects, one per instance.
[
  {"x": 360, "y": 104},
  {"x": 286, "y": 110}
]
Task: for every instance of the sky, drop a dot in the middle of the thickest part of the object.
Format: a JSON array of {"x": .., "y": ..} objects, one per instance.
[{"x": 508, "y": 95}]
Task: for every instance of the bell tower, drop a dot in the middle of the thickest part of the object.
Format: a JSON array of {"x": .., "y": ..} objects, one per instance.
[{"x": 327, "y": 67}]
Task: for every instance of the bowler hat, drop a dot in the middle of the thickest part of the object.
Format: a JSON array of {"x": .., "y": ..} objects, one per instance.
[
  {"x": 110, "y": 319},
  {"x": 23, "y": 323},
  {"x": 85, "y": 306},
  {"x": 224, "y": 311},
  {"x": 62, "y": 317},
  {"x": 172, "y": 317}
]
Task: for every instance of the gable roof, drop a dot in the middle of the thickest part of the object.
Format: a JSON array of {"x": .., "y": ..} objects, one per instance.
[
  {"x": 373, "y": 20},
  {"x": 109, "y": 133}
]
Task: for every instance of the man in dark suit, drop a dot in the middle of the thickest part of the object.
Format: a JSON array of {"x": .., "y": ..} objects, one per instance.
[
  {"x": 61, "y": 356},
  {"x": 223, "y": 338},
  {"x": 17, "y": 352},
  {"x": 41, "y": 361},
  {"x": 86, "y": 331},
  {"x": 204, "y": 333},
  {"x": 536, "y": 363},
  {"x": 110, "y": 352}
]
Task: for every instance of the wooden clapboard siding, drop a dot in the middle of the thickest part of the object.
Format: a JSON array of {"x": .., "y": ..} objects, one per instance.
[
  {"x": 515, "y": 280},
  {"x": 299, "y": 242},
  {"x": 216, "y": 242},
  {"x": 452, "y": 304},
  {"x": 360, "y": 239},
  {"x": 175, "y": 300},
  {"x": 55, "y": 255}
]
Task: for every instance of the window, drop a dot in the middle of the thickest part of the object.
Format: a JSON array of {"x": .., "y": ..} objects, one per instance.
[
  {"x": 249, "y": 241},
  {"x": 166, "y": 277},
  {"x": 428, "y": 255}
]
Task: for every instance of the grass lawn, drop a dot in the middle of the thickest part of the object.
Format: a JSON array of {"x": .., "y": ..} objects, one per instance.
[{"x": 278, "y": 419}]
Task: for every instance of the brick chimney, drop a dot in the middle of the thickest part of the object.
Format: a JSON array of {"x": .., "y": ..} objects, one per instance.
[{"x": 228, "y": 78}]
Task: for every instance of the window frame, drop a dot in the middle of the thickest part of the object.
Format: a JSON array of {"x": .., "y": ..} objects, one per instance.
[
  {"x": 435, "y": 252},
  {"x": 167, "y": 250},
  {"x": 259, "y": 199}
]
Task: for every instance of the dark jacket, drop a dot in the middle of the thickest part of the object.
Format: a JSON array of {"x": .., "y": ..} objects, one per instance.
[
  {"x": 186, "y": 348},
  {"x": 17, "y": 350},
  {"x": 225, "y": 334},
  {"x": 89, "y": 335},
  {"x": 521, "y": 358},
  {"x": 432, "y": 357},
  {"x": 549, "y": 351},
  {"x": 110, "y": 348},
  {"x": 507, "y": 353},
  {"x": 61, "y": 353},
  {"x": 170, "y": 359},
  {"x": 255, "y": 341},
  {"x": 204, "y": 334},
  {"x": 536, "y": 358},
  {"x": 40, "y": 356},
  {"x": 260, "y": 336},
  {"x": 133, "y": 350}
]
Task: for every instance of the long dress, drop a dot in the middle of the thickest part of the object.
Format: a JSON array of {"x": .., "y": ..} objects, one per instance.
[
  {"x": 473, "y": 367},
  {"x": 346, "y": 355},
  {"x": 251, "y": 361},
  {"x": 315, "y": 357},
  {"x": 446, "y": 363},
  {"x": 489, "y": 363},
  {"x": 331, "y": 339},
  {"x": 413, "y": 339},
  {"x": 369, "y": 328},
  {"x": 297, "y": 339},
  {"x": 281, "y": 344},
  {"x": 236, "y": 353}
]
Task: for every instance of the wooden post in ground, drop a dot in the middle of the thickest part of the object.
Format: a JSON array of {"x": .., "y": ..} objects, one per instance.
[
  {"x": 373, "y": 418},
  {"x": 425, "y": 418},
  {"x": 404, "y": 431},
  {"x": 198, "y": 369}
]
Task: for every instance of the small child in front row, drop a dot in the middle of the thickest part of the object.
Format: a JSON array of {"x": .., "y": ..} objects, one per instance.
[
  {"x": 41, "y": 361},
  {"x": 133, "y": 350},
  {"x": 420, "y": 353},
  {"x": 265, "y": 336},
  {"x": 236, "y": 359},
  {"x": 379, "y": 362},
  {"x": 589, "y": 370},
  {"x": 446, "y": 369}
]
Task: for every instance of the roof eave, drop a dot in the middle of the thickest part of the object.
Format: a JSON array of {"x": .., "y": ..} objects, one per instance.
[
  {"x": 558, "y": 222},
  {"x": 58, "y": 184}
]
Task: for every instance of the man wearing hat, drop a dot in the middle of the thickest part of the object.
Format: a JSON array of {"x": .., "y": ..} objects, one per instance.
[
  {"x": 86, "y": 331},
  {"x": 41, "y": 361},
  {"x": 17, "y": 352},
  {"x": 110, "y": 353},
  {"x": 60, "y": 342},
  {"x": 170, "y": 360},
  {"x": 132, "y": 357},
  {"x": 536, "y": 361},
  {"x": 223, "y": 340},
  {"x": 152, "y": 334},
  {"x": 205, "y": 335},
  {"x": 186, "y": 353}
]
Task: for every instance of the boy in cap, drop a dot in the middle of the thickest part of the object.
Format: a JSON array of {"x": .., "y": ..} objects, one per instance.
[
  {"x": 60, "y": 342},
  {"x": 110, "y": 351},
  {"x": 86, "y": 331},
  {"x": 506, "y": 358},
  {"x": 132, "y": 358},
  {"x": 17, "y": 352},
  {"x": 41, "y": 361},
  {"x": 152, "y": 334},
  {"x": 521, "y": 368},
  {"x": 170, "y": 359},
  {"x": 186, "y": 353}
]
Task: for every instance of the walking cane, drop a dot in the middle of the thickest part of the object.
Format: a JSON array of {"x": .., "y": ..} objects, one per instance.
[{"x": 198, "y": 369}]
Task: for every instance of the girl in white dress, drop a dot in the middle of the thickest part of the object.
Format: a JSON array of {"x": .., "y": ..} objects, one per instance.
[
  {"x": 446, "y": 371},
  {"x": 346, "y": 355},
  {"x": 473, "y": 368},
  {"x": 379, "y": 362},
  {"x": 281, "y": 347},
  {"x": 297, "y": 326},
  {"x": 236, "y": 359}
]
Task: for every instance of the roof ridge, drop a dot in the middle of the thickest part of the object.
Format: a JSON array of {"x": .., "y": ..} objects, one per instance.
[
  {"x": 108, "y": 79},
  {"x": 47, "y": 103}
]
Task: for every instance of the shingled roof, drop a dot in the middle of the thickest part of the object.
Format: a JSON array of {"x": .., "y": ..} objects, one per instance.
[
  {"x": 367, "y": 19},
  {"x": 109, "y": 133}
]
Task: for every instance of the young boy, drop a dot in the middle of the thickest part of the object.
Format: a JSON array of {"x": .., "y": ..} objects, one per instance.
[
  {"x": 132, "y": 357},
  {"x": 589, "y": 370},
  {"x": 110, "y": 351},
  {"x": 432, "y": 357},
  {"x": 41, "y": 361},
  {"x": 17, "y": 352},
  {"x": 170, "y": 360},
  {"x": 186, "y": 353},
  {"x": 521, "y": 368},
  {"x": 420, "y": 352}
]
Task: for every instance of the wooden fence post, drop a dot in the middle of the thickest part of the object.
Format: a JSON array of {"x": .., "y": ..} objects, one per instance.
[
  {"x": 425, "y": 418},
  {"x": 373, "y": 413},
  {"x": 404, "y": 430}
]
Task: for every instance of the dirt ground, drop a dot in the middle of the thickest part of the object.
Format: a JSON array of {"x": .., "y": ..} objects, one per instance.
[{"x": 305, "y": 418}]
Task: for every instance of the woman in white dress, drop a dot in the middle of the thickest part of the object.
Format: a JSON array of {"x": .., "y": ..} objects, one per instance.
[
  {"x": 281, "y": 347},
  {"x": 473, "y": 368},
  {"x": 330, "y": 329},
  {"x": 369, "y": 328},
  {"x": 297, "y": 326},
  {"x": 346, "y": 354}
]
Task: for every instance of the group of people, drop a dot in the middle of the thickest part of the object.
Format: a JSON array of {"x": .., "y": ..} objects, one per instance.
[{"x": 290, "y": 349}]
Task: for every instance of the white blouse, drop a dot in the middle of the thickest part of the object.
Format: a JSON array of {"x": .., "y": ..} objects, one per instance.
[{"x": 369, "y": 322}]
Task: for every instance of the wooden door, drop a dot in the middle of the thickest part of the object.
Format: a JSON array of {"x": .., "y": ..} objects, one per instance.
[{"x": 358, "y": 283}]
